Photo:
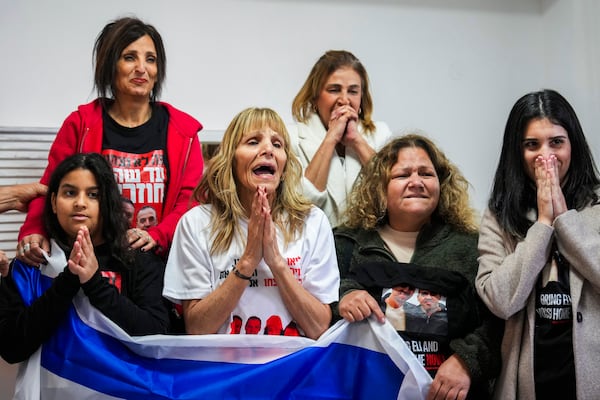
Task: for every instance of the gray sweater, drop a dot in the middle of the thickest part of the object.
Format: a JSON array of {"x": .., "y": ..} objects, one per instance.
[{"x": 506, "y": 281}]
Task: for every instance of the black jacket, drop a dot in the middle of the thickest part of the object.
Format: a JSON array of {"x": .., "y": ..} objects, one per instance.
[
  {"x": 139, "y": 308},
  {"x": 475, "y": 336}
]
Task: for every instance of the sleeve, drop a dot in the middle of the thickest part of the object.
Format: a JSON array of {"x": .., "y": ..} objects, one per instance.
[
  {"x": 64, "y": 145},
  {"x": 506, "y": 280},
  {"x": 142, "y": 311},
  {"x": 23, "y": 329},
  {"x": 309, "y": 190},
  {"x": 578, "y": 237},
  {"x": 480, "y": 348},
  {"x": 188, "y": 271},
  {"x": 313, "y": 194},
  {"x": 344, "y": 247},
  {"x": 322, "y": 277},
  {"x": 191, "y": 172}
]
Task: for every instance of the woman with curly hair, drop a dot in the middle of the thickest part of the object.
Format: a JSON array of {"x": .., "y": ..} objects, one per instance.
[
  {"x": 254, "y": 247},
  {"x": 409, "y": 223}
]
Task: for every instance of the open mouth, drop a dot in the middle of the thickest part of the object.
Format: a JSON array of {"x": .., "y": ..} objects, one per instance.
[{"x": 264, "y": 170}]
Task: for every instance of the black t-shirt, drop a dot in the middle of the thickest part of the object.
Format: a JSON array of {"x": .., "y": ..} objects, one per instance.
[
  {"x": 428, "y": 306},
  {"x": 139, "y": 158},
  {"x": 554, "y": 368},
  {"x": 149, "y": 136}
]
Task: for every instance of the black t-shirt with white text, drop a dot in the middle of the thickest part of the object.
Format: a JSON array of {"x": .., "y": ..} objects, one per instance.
[{"x": 554, "y": 367}]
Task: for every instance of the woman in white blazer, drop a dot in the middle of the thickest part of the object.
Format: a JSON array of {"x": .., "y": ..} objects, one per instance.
[{"x": 335, "y": 135}]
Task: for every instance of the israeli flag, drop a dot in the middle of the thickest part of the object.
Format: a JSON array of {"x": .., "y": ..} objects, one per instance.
[{"x": 90, "y": 357}]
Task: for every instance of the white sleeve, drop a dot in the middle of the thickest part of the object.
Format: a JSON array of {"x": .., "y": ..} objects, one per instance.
[
  {"x": 321, "y": 276},
  {"x": 309, "y": 190},
  {"x": 189, "y": 271}
]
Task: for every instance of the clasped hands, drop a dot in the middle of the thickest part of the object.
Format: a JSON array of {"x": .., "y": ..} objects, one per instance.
[
  {"x": 343, "y": 125},
  {"x": 550, "y": 199},
  {"x": 32, "y": 247},
  {"x": 82, "y": 260},
  {"x": 262, "y": 237}
]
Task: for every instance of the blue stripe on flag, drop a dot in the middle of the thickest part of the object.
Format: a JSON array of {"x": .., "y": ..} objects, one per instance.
[
  {"x": 30, "y": 282},
  {"x": 349, "y": 361},
  {"x": 95, "y": 360}
]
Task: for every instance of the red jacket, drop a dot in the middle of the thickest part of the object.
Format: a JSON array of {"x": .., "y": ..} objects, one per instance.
[{"x": 82, "y": 132}]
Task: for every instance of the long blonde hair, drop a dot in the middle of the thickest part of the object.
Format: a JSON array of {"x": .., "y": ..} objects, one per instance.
[
  {"x": 218, "y": 186},
  {"x": 367, "y": 207}
]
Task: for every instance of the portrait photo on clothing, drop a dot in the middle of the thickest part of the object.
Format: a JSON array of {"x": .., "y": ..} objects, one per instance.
[{"x": 415, "y": 310}]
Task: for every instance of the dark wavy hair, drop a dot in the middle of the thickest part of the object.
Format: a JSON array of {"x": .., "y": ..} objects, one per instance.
[
  {"x": 109, "y": 45},
  {"x": 111, "y": 219},
  {"x": 513, "y": 192}
]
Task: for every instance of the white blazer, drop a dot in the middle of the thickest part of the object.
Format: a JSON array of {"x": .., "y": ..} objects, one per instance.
[{"x": 305, "y": 141}]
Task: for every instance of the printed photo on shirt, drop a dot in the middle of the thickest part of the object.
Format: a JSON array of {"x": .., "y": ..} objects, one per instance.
[{"x": 415, "y": 310}]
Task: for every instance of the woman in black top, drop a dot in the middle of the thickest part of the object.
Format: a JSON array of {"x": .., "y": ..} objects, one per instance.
[{"x": 83, "y": 215}]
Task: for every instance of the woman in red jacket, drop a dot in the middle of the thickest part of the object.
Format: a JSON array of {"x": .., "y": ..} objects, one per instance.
[{"x": 152, "y": 146}]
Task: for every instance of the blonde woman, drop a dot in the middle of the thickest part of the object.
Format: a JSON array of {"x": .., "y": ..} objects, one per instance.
[{"x": 254, "y": 247}]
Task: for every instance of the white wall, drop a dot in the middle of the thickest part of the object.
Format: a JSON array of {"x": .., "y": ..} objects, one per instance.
[
  {"x": 450, "y": 67},
  {"x": 572, "y": 59}
]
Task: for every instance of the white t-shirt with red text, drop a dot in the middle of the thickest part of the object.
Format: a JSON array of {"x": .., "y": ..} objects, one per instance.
[{"x": 193, "y": 273}]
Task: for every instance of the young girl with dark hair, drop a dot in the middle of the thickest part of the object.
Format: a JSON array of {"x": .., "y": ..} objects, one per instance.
[{"x": 84, "y": 218}]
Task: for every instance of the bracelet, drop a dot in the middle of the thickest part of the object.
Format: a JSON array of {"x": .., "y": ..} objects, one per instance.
[{"x": 240, "y": 275}]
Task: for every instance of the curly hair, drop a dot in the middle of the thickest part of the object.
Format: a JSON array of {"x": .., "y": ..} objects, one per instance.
[
  {"x": 305, "y": 101},
  {"x": 367, "y": 204},
  {"x": 218, "y": 186},
  {"x": 113, "y": 222}
]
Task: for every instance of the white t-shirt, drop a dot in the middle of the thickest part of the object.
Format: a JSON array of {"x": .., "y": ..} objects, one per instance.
[{"x": 192, "y": 273}]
